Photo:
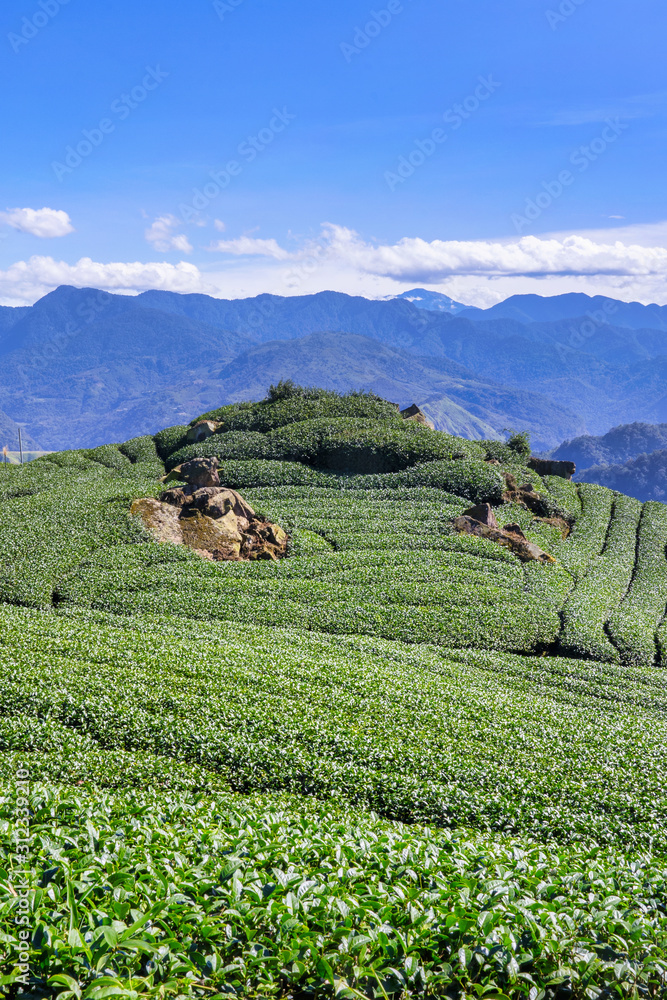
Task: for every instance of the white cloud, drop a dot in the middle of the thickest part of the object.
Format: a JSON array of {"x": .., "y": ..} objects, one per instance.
[
  {"x": 625, "y": 262},
  {"x": 219, "y": 225},
  {"x": 161, "y": 235},
  {"x": 46, "y": 223},
  {"x": 416, "y": 260},
  {"x": 27, "y": 281},
  {"x": 248, "y": 246}
]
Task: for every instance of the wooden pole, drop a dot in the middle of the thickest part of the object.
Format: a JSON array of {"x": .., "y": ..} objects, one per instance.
[{"x": 20, "y": 446}]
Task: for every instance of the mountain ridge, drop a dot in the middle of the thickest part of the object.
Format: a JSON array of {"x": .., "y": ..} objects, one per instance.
[{"x": 83, "y": 366}]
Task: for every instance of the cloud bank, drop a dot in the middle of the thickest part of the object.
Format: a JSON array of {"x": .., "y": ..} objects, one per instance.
[
  {"x": 478, "y": 272},
  {"x": 416, "y": 260},
  {"x": 26, "y": 281}
]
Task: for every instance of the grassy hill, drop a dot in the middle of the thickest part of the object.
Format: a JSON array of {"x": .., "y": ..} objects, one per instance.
[{"x": 399, "y": 762}]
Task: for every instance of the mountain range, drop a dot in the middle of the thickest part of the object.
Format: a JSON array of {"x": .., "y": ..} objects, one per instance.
[
  {"x": 82, "y": 367},
  {"x": 631, "y": 459}
]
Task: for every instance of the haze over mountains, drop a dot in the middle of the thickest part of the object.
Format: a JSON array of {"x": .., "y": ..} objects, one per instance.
[{"x": 83, "y": 367}]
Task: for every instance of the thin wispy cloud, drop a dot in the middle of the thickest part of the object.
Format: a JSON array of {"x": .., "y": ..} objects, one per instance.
[
  {"x": 162, "y": 237},
  {"x": 250, "y": 247},
  {"x": 628, "y": 108}
]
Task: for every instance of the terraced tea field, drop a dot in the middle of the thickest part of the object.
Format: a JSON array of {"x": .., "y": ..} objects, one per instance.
[{"x": 399, "y": 762}]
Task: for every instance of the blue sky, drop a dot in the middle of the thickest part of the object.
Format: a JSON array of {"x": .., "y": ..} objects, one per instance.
[{"x": 556, "y": 149}]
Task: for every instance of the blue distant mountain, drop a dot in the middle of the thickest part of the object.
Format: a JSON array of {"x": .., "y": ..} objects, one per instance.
[
  {"x": 540, "y": 309},
  {"x": 432, "y": 301},
  {"x": 82, "y": 367}
]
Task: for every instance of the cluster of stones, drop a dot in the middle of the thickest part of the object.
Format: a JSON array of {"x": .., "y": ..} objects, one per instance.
[
  {"x": 214, "y": 521},
  {"x": 481, "y": 521}
]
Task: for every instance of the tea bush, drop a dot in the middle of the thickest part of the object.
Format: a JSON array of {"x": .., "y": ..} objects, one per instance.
[
  {"x": 473, "y": 481},
  {"x": 268, "y": 415},
  {"x": 243, "y": 445},
  {"x": 343, "y": 444},
  {"x": 141, "y": 449},
  {"x": 168, "y": 440},
  {"x": 269, "y": 896}
]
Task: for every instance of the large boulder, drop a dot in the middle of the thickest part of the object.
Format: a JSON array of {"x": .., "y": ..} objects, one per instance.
[
  {"x": 218, "y": 539},
  {"x": 161, "y": 520},
  {"x": 215, "y": 501},
  {"x": 213, "y": 521}
]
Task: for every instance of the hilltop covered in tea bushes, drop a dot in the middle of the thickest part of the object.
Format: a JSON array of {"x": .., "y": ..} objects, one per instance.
[{"x": 399, "y": 762}]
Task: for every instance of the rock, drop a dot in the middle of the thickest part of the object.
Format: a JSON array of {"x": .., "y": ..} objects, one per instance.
[
  {"x": 173, "y": 477},
  {"x": 214, "y": 501},
  {"x": 415, "y": 413},
  {"x": 160, "y": 519},
  {"x": 221, "y": 499},
  {"x": 215, "y": 522},
  {"x": 546, "y": 467},
  {"x": 492, "y": 461},
  {"x": 524, "y": 495},
  {"x": 201, "y": 472},
  {"x": 264, "y": 541},
  {"x": 179, "y": 496},
  {"x": 515, "y": 529},
  {"x": 525, "y": 550},
  {"x": 202, "y": 430},
  {"x": 483, "y": 513},
  {"x": 221, "y": 538}
]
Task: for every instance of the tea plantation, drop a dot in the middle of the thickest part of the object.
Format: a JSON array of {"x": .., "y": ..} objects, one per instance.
[{"x": 398, "y": 763}]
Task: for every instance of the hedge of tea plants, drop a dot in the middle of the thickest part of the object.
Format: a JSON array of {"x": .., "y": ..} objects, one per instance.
[
  {"x": 633, "y": 625},
  {"x": 604, "y": 586}
]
